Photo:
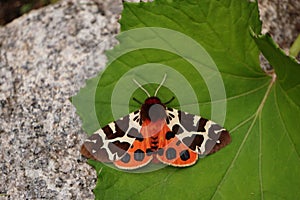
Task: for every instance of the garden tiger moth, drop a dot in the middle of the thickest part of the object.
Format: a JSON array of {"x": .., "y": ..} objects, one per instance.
[{"x": 155, "y": 133}]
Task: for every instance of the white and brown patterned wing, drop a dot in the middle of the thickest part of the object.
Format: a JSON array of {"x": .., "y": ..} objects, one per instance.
[
  {"x": 199, "y": 134},
  {"x": 111, "y": 142}
]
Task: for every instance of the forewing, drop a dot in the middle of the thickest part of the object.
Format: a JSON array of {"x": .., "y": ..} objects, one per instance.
[
  {"x": 199, "y": 134},
  {"x": 111, "y": 142}
]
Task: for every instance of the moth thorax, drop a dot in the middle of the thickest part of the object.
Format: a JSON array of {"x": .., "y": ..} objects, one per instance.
[{"x": 156, "y": 112}]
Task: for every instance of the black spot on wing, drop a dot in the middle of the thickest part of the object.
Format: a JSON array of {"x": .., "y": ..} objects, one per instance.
[
  {"x": 134, "y": 133},
  {"x": 107, "y": 131},
  {"x": 149, "y": 152},
  {"x": 170, "y": 135},
  {"x": 160, "y": 151},
  {"x": 118, "y": 147},
  {"x": 202, "y": 123},
  {"x": 170, "y": 153},
  {"x": 185, "y": 155},
  {"x": 168, "y": 120},
  {"x": 171, "y": 115},
  {"x": 121, "y": 126},
  {"x": 170, "y": 109},
  {"x": 140, "y": 137},
  {"x": 193, "y": 141},
  {"x": 126, "y": 158},
  {"x": 177, "y": 129},
  {"x": 139, "y": 155},
  {"x": 179, "y": 115},
  {"x": 136, "y": 118}
]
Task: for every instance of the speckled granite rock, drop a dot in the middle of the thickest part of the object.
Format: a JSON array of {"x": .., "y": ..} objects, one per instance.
[
  {"x": 281, "y": 18},
  {"x": 45, "y": 58}
]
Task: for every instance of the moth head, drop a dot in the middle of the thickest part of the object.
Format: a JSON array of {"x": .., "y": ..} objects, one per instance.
[{"x": 153, "y": 109}]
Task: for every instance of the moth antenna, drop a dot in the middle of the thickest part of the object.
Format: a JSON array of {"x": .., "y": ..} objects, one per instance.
[
  {"x": 169, "y": 101},
  {"x": 134, "y": 99},
  {"x": 140, "y": 86},
  {"x": 162, "y": 82}
]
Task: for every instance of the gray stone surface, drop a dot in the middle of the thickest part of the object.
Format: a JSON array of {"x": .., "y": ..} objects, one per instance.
[
  {"x": 45, "y": 58},
  {"x": 281, "y": 18}
]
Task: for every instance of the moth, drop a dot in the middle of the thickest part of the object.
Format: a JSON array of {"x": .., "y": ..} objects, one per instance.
[{"x": 155, "y": 133}]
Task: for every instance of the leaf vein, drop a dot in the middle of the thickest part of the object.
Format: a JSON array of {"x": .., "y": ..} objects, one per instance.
[
  {"x": 257, "y": 113},
  {"x": 260, "y": 159},
  {"x": 282, "y": 121}
]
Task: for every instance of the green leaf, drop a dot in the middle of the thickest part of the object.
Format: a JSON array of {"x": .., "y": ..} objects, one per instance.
[
  {"x": 287, "y": 85},
  {"x": 287, "y": 68},
  {"x": 295, "y": 48},
  {"x": 221, "y": 78}
]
